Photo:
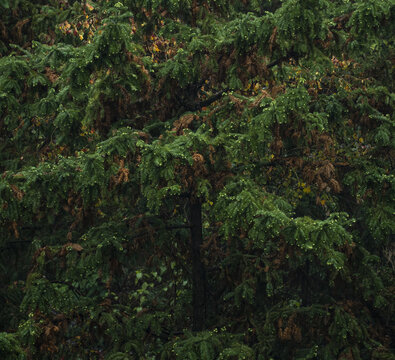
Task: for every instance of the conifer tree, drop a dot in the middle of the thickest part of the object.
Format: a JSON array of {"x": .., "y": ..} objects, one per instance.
[{"x": 186, "y": 179}]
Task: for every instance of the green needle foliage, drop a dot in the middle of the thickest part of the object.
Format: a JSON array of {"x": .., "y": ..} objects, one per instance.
[{"x": 197, "y": 179}]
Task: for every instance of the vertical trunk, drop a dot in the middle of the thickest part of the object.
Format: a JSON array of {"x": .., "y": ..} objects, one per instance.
[
  {"x": 305, "y": 285},
  {"x": 198, "y": 271}
]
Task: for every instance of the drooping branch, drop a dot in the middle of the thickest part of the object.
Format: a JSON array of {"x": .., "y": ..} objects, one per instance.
[{"x": 208, "y": 101}]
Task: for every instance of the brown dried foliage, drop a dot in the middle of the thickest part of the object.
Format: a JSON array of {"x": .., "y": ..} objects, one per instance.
[
  {"x": 18, "y": 28},
  {"x": 183, "y": 123},
  {"x": 289, "y": 330},
  {"x": 263, "y": 94},
  {"x": 51, "y": 74},
  {"x": 17, "y": 192},
  {"x": 321, "y": 174},
  {"x": 122, "y": 175},
  {"x": 239, "y": 104},
  {"x": 70, "y": 246},
  {"x": 272, "y": 40},
  {"x": 198, "y": 166}
]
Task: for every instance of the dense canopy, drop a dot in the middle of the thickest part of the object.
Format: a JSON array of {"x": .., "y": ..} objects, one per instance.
[{"x": 197, "y": 179}]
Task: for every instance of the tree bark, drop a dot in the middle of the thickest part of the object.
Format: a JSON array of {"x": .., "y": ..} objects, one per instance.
[{"x": 199, "y": 287}]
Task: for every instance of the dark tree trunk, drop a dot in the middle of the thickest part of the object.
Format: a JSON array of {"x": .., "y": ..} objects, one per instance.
[
  {"x": 305, "y": 276},
  {"x": 198, "y": 270}
]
